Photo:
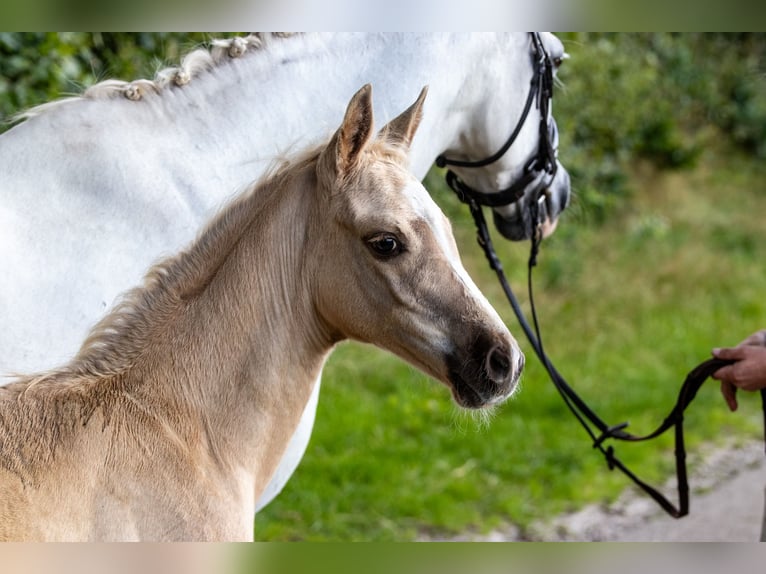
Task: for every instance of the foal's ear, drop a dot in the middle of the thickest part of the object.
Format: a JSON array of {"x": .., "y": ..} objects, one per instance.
[
  {"x": 352, "y": 136},
  {"x": 402, "y": 128}
]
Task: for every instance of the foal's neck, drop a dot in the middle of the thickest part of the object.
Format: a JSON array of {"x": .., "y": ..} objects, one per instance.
[{"x": 244, "y": 347}]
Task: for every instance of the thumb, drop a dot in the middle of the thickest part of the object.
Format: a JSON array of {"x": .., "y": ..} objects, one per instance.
[{"x": 730, "y": 353}]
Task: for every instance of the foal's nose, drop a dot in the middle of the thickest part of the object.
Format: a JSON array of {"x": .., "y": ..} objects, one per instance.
[{"x": 504, "y": 364}]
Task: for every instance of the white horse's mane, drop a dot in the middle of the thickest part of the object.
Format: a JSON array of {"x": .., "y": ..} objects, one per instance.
[{"x": 193, "y": 64}]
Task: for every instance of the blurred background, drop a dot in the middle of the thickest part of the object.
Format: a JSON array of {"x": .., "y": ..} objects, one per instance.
[{"x": 661, "y": 257}]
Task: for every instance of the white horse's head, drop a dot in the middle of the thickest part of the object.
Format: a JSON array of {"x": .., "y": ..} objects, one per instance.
[{"x": 513, "y": 164}]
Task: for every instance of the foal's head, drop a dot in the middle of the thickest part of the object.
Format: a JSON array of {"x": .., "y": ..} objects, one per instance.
[{"x": 388, "y": 270}]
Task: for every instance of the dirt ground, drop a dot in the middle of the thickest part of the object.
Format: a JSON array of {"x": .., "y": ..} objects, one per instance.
[{"x": 727, "y": 504}]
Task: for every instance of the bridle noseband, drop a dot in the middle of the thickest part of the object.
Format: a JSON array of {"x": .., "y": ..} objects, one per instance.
[{"x": 541, "y": 168}]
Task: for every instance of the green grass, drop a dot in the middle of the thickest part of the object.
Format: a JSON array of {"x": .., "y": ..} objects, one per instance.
[{"x": 627, "y": 308}]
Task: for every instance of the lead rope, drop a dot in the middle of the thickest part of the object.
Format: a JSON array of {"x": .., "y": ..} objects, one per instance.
[{"x": 694, "y": 380}]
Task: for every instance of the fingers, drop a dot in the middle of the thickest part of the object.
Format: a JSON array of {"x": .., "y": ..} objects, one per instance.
[
  {"x": 724, "y": 373},
  {"x": 729, "y": 393},
  {"x": 730, "y": 353},
  {"x": 748, "y": 372}
]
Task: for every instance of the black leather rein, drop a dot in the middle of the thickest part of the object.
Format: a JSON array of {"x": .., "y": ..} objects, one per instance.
[
  {"x": 538, "y": 175},
  {"x": 584, "y": 414}
]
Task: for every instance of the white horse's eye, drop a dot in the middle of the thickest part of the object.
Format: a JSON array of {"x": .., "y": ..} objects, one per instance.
[
  {"x": 558, "y": 60},
  {"x": 385, "y": 245}
]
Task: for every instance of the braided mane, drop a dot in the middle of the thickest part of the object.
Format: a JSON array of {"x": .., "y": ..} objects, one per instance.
[{"x": 193, "y": 64}]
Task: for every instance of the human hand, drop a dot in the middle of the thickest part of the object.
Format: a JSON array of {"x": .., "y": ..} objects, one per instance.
[
  {"x": 748, "y": 372},
  {"x": 757, "y": 339}
]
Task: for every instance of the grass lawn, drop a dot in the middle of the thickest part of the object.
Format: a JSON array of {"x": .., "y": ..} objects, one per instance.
[{"x": 627, "y": 308}]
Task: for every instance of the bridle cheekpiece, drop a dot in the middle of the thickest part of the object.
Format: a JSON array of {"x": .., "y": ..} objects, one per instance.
[{"x": 541, "y": 168}]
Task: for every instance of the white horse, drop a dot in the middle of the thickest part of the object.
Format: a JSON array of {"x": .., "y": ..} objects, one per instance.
[{"x": 95, "y": 188}]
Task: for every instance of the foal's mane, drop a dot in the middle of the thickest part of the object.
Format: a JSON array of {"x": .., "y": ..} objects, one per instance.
[
  {"x": 195, "y": 63},
  {"x": 121, "y": 336},
  {"x": 67, "y": 397},
  {"x": 115, "y": 342}
]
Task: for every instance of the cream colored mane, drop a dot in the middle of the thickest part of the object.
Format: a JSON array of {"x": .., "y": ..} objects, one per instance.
[
  {"x": 192, "y": 65},
  {"x": 114, "y": 343}
]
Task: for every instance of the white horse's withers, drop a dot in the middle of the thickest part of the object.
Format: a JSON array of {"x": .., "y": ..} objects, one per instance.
[{"x": 94, "y": 189}]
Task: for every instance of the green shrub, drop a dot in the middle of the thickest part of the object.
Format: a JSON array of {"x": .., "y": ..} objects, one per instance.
[{"x": 657, "y": 98}]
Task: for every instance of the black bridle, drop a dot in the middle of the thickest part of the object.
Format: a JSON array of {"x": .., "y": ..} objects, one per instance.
[
  {"x": 541, "y": 168},
  {"x": 540, "y": 171}
]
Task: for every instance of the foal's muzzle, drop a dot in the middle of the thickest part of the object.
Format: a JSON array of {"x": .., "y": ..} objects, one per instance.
[{"x": 488, "y": 375}]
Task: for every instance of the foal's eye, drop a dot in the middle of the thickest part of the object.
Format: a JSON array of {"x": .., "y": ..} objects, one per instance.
[{"x": 385, "y": 245}]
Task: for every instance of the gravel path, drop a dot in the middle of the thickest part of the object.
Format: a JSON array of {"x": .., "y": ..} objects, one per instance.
[
  {"x": 726, "y": 505},
  {"x": 731, "y": 513}
]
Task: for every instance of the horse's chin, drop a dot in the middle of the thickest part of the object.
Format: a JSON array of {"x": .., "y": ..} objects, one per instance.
[
  {"x": 468, "y": 398},
  {"x": 549, "y": 226},
  {"x": 520, "y": 229}
]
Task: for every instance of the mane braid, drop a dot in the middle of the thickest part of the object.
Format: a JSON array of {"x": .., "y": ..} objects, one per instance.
[
  {"x": 118, "y": 339},
  {"x": 193, "y": 64}
]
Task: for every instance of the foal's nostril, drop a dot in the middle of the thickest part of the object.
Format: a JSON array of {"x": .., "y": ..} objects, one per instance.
[{"x": 499, "y": 364}]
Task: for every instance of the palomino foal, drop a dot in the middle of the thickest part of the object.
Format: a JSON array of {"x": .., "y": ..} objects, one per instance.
[{"x": 156, "y": 430}]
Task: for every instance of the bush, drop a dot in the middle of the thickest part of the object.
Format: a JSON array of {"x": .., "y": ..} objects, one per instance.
[{"x": 658, "y": 98}]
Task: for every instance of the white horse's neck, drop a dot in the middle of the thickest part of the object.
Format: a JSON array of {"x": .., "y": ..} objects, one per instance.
[
  {"x": 93, "y": 191},
  {"x": 312, "y": 75},
  {"x": 138, "y": 178}
]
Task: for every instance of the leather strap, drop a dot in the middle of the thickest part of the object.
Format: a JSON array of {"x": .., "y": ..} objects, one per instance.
[{"x": 582, "y": 412}]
